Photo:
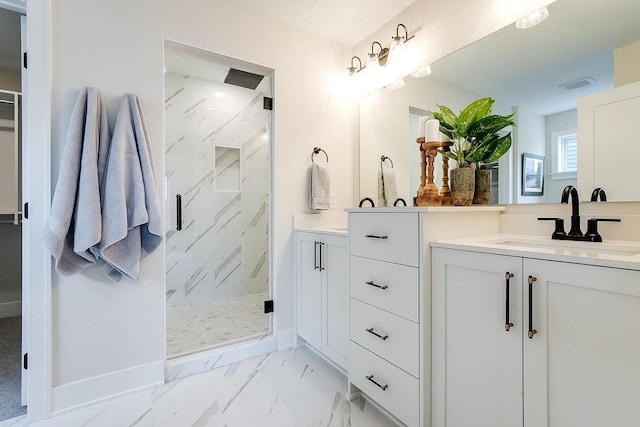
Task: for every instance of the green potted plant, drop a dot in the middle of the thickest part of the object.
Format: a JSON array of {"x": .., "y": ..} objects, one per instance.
[{"x": 477, "y": 139}]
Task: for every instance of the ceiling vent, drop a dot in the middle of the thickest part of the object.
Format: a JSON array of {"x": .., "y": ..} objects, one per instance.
[
  {"x": 581, "y": 82},
  {"x": 243, "y": 79}
]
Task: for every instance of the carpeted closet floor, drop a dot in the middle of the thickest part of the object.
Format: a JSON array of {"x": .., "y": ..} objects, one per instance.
[{"x": 10, "y": 369}]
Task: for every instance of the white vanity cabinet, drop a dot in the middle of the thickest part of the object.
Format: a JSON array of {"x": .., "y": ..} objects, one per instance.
[
  {"x": 390, "y": 285},
  {"x": 386, "y": 263},
  {"x": 581, "y": 367},
  {"x": 322, "y": 282}
]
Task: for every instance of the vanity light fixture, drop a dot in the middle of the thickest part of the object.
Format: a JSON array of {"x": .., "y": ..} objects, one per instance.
[
  {"x": 397, "y": 50},
  {"x": 374, "y": 58},
  {"x": 352, "y": 69},
  {"x": 422, "y": 72},
  {"x": 532, "y": 19}
]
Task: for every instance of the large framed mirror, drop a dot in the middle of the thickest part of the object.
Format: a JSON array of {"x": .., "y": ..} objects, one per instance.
[{"x": 538, "y": 73}]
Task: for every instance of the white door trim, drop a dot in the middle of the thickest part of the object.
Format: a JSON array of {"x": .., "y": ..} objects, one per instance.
[{"x": 36, "y": 267}]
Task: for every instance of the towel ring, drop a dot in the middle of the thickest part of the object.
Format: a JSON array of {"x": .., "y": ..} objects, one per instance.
[
  {"x": 317, "y": 150},
  {"x": 398, "y": 201},
  {"x": 367, "y": 199},
  {"x": 383, "y": 158}
]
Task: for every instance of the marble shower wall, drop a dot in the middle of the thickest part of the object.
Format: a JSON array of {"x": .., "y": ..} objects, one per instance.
[{"x": 217, "y": 158}]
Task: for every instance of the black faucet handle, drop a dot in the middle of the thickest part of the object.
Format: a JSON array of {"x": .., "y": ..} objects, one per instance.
[
  {"x": 592, "y": 228},
  {"x": 598, "y": 192},
  {"x": 559, "y": 232}
]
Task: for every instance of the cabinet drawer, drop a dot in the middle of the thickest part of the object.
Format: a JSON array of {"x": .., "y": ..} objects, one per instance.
[
  {"x": 385, "y": 236},
  {"x": 402, "y": 394},
  {"x": 401, "y": 295},
  {"x": 398, "y": 339}
]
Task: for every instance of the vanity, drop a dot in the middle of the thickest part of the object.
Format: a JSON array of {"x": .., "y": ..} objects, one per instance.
[
  {"x": 390, "y": 300},
  {"x": 322, "y": 287},
  {"x": 533, "y": 332}
]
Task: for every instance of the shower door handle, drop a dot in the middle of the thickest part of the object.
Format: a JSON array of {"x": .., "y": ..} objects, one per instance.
[{"x": 178, "y": 212}]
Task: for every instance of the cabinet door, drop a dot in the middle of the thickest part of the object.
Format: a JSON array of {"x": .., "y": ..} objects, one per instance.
[
  {"x": 309, "y": 287},
  {"x": 582, "y": 367},
  {"x": 335, "y": 333},
  {"x": 477, "y": 363}
]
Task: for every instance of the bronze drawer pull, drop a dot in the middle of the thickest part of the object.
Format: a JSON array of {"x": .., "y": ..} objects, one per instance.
[
  {"x": 371, "y": 283},
  {"x": 373, "y": 236},
  {"x": 370, "y": 378},
  {"x": 382, "y": 337}
]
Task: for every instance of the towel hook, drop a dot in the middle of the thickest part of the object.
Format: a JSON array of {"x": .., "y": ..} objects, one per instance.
[
  {"x": 317, "y": 150},
  {"x": 383, "y": 158}
]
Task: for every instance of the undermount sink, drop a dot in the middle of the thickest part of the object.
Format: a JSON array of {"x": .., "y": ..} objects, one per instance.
[{"x": 566, "y": 247}]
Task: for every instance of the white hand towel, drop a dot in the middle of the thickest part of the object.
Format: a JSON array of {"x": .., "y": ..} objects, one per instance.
[
  {"x": 74, "y": 226},
  {"x": 131, "y": 213},
  {"x": 319, "y": 188},
  {"x": 387, "y": 187},
  {"x": 382, "y": 201}
]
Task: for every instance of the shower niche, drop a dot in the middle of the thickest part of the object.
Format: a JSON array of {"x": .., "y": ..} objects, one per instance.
[{"x": 218, "y": 231}]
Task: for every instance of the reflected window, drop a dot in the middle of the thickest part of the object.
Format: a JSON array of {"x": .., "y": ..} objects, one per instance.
[{"x": 565, "y": 153}]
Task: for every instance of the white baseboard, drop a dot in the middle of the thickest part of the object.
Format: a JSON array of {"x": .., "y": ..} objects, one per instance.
[
  {"x": 108, "y": 386},
  {"x": 200, "y": 362},
  {"x": 287, "y": 338},
  {"x": 10, "y": 309}
]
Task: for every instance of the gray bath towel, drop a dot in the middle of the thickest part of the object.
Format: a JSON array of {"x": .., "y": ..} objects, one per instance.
[
  {"x": 319, "y": 186},
  {"x": 131, "y": 214},
  {"x": 74, "y": 225}
]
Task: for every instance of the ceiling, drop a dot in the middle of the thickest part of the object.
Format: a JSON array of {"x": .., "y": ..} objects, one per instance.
[{"x": 346, "y": 22}]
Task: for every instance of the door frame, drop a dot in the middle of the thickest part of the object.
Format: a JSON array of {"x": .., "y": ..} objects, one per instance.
[{"x": 36, "y": 190}]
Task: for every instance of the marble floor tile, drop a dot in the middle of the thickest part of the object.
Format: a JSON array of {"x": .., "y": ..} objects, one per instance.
[
  {"x": 204, "y": 326},
  {"x": 291, "y": 388}
]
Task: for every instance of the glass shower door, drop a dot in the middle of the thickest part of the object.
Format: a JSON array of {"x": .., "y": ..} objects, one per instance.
[{"x": 218, "y": 192}]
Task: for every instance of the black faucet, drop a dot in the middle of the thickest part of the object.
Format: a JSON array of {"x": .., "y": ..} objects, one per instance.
[
  {"x": 570, "y": 190},
  {"x": 575, "y": 233}
]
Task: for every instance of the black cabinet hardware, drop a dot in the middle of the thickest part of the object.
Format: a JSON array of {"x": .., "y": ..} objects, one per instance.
[
  {"x": 374, "y": 236},
  {"x": 178, "y": 212},
  {"x": 532, "y": 331},
  {"x": 382, "y": 337},
  {"x": 371, "y": 283},
  {"x": 507, "y": 325},
  {"x": 383, "y": 387}
]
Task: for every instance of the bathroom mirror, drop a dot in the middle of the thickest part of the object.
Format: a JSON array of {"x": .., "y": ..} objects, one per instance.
[{"x": 539, "y": 72}]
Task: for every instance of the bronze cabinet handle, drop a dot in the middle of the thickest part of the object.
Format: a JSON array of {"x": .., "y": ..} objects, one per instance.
[
  {"x": 507, "y": 324},
  {"x": 532, "y": 331},
  {"x": 375, "y": 236}
]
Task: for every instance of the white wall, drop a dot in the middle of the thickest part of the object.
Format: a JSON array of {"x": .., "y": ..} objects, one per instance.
[
  {"x": 556, "y": 123},
  {"x": 529, "y": 137},
  {"x": 101, "y": 327},
  {"x": 626, "y": 64}
]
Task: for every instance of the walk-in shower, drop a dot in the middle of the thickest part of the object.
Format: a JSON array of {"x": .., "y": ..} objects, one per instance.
[{"x": 217, "y": 201}]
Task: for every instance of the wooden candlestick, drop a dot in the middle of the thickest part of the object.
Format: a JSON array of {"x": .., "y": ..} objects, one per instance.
[
  {"x": 428, "y": 192},
  {"x": 445, "y": 191}
]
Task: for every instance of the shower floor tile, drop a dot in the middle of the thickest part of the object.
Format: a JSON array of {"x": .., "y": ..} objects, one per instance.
[{"x": 204, "y": 326}]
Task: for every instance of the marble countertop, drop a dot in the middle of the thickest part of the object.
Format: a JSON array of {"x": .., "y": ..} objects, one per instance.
[
  {"x": 334, "y": 230},
  {"x": 459, "y": 209},
  {"x": 617, "y": 254}
]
